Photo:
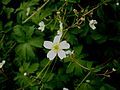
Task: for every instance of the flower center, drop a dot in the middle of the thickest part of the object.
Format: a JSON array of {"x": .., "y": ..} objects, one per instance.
[{"x": 56, "y": 47}]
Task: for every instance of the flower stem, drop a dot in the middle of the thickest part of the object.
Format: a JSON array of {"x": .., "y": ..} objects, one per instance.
[
  {"x": 35, "y": 12},
  {"x": 83, "y": 80},
  {"x": 81, "y": 65}
]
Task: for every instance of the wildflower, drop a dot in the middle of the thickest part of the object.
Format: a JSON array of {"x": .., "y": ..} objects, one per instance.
[
  {"x": 92, "y": 24},
  {"x": 56, "y": 48},
  {"x": 65, "y": 89},
  {"x": 2, "y": 63},
  {"x": 41, "y": 26},
  {"x": 28, "y": 11}
]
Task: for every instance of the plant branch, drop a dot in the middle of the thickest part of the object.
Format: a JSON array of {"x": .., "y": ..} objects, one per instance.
[{"x": 35, "y": 12}]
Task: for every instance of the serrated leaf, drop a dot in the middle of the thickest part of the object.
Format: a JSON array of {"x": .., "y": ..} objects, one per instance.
[
  {"x": 36, "y": 42},
  {"x": 5, "y": 1},
  {"x": 78, "y": 49},
  {"x": 25, "y": 51},
  {"x": 70, "y": 68},
  {"x": 89, "y": 64},
  {"x": 23, "y": 33},
  {"x": 107, "y": 87},
  {"x": 86, "y": 86},
  {"x": 33, "y": 68}
]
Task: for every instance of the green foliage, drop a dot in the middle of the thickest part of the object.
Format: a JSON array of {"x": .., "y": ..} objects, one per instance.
[{"x": 93, "y": 62}]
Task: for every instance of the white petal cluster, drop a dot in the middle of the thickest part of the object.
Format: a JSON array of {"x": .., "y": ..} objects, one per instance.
[
  {"x": 56, "y": 48},
  {"x": 92, "y": 24},
  {"x": 41, "y": 26},
  {"x": 2, "y": 63}
]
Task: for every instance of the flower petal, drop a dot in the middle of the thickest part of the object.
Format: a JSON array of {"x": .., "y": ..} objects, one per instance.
[
  {"x": 57, "y": 39},
  {"x": 64, "y": 45},
  {"x": 48, "y": 44},
  {"x": 51, "y": 55},
  {"x": 41, "y": 23},
  {"x": 61, "y": 54}
]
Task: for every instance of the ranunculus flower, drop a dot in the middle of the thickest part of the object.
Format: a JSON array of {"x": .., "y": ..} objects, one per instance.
[{"x": 56, "y": 48}]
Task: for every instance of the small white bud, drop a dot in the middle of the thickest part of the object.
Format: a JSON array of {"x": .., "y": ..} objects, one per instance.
[
  {"x": 87, "y": 81},
  {"x": 28, "y": 11},
  {"x": 58, "y": 12},
  {"x": 65, "y": 89},
  {"x": 113, "y": 69},
  {"x": 2, "y": 63},
  {"x": 25, "y": 74},
  {"x": 117, "y": 3}
]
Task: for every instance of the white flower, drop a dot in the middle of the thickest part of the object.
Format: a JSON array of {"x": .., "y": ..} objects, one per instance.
[
  {"x": 56, "y": 48},
  {"x": 65, "y": 89},
  {"x": 28, "y": 11},
  {"x": 92, "y": 24},
  {"x": 2, "y": 63},
  {"x": 41, "y": 26}
]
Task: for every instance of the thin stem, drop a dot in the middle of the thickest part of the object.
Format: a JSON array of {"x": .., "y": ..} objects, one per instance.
[
  {"x": 73, "y": 25},
  {"x": 2, "y": 38},
  {"x": 37, "y": 75},
  {"x": 44, "y": 74},
  {"x": 42, "y": 70},
  {"x": 81, "y": 65},
  {"x": 35, "y": 12},
  {"x": 83, "y": 80}
]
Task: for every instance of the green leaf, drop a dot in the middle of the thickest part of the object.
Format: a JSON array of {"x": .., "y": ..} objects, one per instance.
[
  {"x": 86, "y": 86},
  {"x": 36, "y": 42},
  {"x": 5, "y": 1},
  {"x": 25, "y": 51},
  {"x": 8, "y": 11},
  {"x": 89, "y": 64},
  {"x": 41, "y": 15},
  {"x": 70, "y": 68},
  {"x": 100, "y": 13},
  {"x": 107, "y": 87},
  {"x": 99, "y": 38},
  {"x": 33, "y": 68},
  {"x": 72, "y": 1},
  {"x": 78, "y": 49},
  {"x": 23, "y": 33},
  {"x": 1, "y": 25}
]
